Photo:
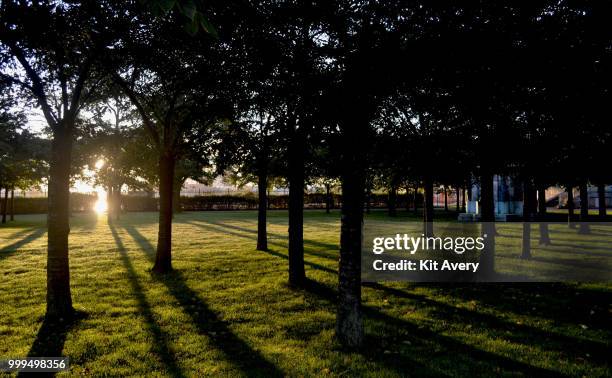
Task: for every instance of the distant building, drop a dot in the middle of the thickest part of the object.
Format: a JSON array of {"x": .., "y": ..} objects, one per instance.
[{"x": 508, "y": 199}]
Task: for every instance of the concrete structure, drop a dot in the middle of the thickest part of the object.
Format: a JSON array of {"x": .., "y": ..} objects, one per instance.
[{"x": 507, "y": 196}]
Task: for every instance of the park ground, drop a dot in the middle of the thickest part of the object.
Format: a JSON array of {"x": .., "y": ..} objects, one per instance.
[{"x": 227, "y": 308}]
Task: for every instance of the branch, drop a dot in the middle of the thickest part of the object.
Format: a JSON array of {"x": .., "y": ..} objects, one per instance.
[
  {"x": 80, "y": 83},
  {"x": 16, "y": 81},
  {"x": 37, "y": 87},
  {"x": 132, "y": 96}
]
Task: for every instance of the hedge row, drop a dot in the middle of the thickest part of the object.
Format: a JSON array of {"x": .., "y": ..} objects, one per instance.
[
  {"x": 85, "y": 202},
  {"x": 78, "y": 203}
]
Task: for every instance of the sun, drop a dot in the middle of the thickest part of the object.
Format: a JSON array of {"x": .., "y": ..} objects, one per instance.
[
  {"x": 99, "y": 164},
  {"x": 101, "y": 205}
]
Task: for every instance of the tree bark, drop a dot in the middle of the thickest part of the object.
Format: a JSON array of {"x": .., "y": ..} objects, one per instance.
[
  {"x": 392, "y": 208},
  {"x": 59, "y": 299},
  {"x": 163, "y": 257},
  {"x": 110, "y": 200},
  {"x": 428, "y": 207},
  {"x": 117, "y": 192},
  {"x": 368, "y": 199},
  {"x": 601, "y": 193},
  {"x": 487, "y": 217},
  {"x": 445, "y": 199},
  {"x": 12, "y": 205},
  {"x": 262, "y": 185},
  {"x": 457, "y": 202},
  {"x": 297, "y": 276},
  {"x": 349, "y": 321},
  {"x": 328, "y": 199},
  {"x": 584, "y": 209},
  {"x": 176, "y": 196},
  {"x": 570, "y": 205},
  {"x": 414, "y": 203},
  {"x": 544, "y": 234},
  {"x": 527, "y": 218},
  {"x": 4, "y": 204}
]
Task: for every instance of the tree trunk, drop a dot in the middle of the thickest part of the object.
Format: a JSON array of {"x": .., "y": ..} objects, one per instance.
[
  {"x": 117, "y": 193},
  {"x": 428, "y": 206},
  {"x": 414, "y": 203},
  {"x": 59, "y": 299},
  {"x": 163, "y": 257},
  {"x": 296, "y": 177},
  {"x": 262, "y": 233},
  {"x": 527, "y": 218},
  {"x": 349, "y": 321},
  {"x": 392, "y": 201},
  {"x": 570, "y": 205},
  {"x": 487, "y": 217},
  {"x": 12, "y": 205},
  {"x": 109, "y": 204},
  {"x": 368, "y": 200},
  {"x": 176, "y": 196},
  {"x": 4, "y": 204},
  {"x": 463, "y": 199},
  {"x": 584, "y": 208},
  {"x": 445, "y": 199},
  {"x": 458, "y": 203},
  {"x": 544, "y": 234},
  {"x": 601, "y": 193},
  {"x": 328, "y": 198}
]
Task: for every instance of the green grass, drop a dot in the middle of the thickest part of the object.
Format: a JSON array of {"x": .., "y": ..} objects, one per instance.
[{"x": 228, "y": 310}]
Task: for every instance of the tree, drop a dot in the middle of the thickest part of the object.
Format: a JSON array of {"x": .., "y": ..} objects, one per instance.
[
  {"x": 359, "y": 42},
  {"x": 55, "y": 67},
  {"x": 175, "y": 84}
]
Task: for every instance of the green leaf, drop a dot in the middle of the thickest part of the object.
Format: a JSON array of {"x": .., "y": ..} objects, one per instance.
[{"x": 207, "y": 26}]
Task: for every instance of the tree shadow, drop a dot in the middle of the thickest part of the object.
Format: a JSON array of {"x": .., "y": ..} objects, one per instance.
[
  {"x": 275, "y": 235},
  {"x": 561, "y": 302},
  {"x": 208, "y": 323},
  {"x": 51, "y": 338},
  {"x": 14, "y": 247},
  {"x": 512, "y": 331},
  {"x": 160, "y": 347},
  {"x": 421, "y": 338},
  {"x": 210, "y": 227}
]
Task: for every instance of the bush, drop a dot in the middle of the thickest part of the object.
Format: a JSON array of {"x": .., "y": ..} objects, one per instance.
[
  {"x": 78, "y": 203},
  {"x": 85, "y": 202}
]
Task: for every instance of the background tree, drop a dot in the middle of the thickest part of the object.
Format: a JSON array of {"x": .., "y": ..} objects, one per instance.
[{"x": 174, "y": 81}]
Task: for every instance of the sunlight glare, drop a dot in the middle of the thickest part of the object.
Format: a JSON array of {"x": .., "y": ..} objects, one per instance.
[
  {"x": 99, "y": 164},
  {"x": 101, "y": 204}
]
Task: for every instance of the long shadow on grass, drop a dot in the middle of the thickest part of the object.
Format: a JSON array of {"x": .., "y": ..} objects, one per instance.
[
  {"x": 237, "y": 351},
  {"x": 517, "y": 333},
  {"x": 14, "y": 247},
  {"x": 548, "y": 340},
  {"x": 51, "y": 337},
  {"x": 160, "y": 346},
  {"x": 270, "y": 252},
  {"x": 243, "y": 229},
  {"x": 562, "y": 302},
  {"x": 421, "y": 338}
]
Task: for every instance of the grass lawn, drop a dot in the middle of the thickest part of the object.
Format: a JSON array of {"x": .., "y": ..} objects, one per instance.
[{"x": 228, "y": 310}]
